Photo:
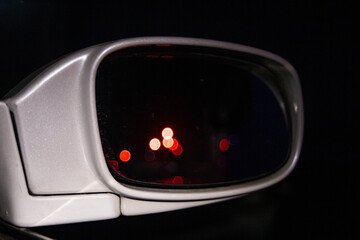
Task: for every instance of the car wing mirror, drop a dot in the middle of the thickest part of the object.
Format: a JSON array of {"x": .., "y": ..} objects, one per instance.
[{"x": 146, "y": 125}]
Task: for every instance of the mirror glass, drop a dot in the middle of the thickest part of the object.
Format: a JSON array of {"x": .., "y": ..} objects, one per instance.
[{"x": 175, "y": 116}]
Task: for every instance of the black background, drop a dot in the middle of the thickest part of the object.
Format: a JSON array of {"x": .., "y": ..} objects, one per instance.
[{"x": 317, "y": 199}]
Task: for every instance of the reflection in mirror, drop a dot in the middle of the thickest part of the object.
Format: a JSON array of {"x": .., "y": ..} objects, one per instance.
[{"x": 181, "y": 117}]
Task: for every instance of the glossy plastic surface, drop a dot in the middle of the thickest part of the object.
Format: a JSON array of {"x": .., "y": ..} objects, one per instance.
[{"x": 20, "y": 208}]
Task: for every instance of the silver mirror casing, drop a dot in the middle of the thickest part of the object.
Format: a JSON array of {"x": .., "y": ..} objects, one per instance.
[{"x": 51, "y": 160}]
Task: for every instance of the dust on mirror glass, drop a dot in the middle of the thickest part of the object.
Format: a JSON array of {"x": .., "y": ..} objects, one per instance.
[{"x": 187, "y": 117}]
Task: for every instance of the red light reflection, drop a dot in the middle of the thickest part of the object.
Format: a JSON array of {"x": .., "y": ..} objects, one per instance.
[
  {"x": 175, "y": 145},
  {"x": 114, "y": 164},
  {"x": 177, "y": 180},
  {"x": 178, "y": 151},
  {"x": 224, "y": 145},
  {"x": 125, "y": 155}
]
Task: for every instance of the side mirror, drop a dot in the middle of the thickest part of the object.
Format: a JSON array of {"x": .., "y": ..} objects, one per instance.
[{"x": 146, "y": 125}]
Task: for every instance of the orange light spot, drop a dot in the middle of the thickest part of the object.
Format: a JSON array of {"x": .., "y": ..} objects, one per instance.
[
  {"x": 175, "y": 145},
  {"x": 168, "y": 142},
  {"x": 154, "y": 144},
  {"x": 125, "y": 155},
  {"x": 167, "y": 133},
  {"x": 224, "y": 145},
  {"x": 178, "y": 151},
  {"x": 177, "y": 180}
]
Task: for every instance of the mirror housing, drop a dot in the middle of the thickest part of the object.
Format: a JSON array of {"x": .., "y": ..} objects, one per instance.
[{"x": 52, "y": 163}]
